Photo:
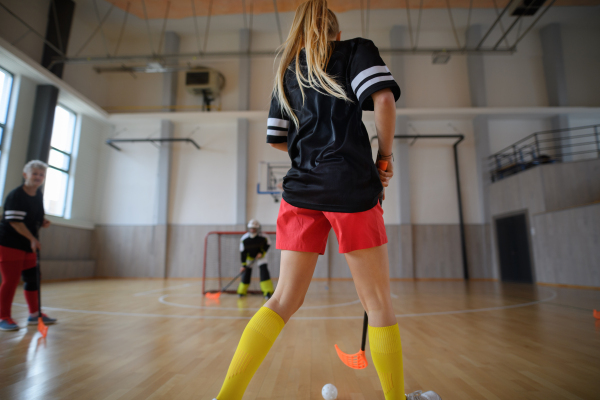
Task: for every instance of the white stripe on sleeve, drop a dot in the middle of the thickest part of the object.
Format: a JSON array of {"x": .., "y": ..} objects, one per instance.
[
  {"x": 372, "y": 82},
  {"x": 378, "y": 69},
  {"x": 15, "y": 217},
  {"x": 281, "y": 123},
  {"x": 273, "y": 132},
  {"x": 12, "y": 212}
]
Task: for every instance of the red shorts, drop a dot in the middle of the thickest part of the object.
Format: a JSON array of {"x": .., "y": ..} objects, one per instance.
[{"x": 300, "y": 229}]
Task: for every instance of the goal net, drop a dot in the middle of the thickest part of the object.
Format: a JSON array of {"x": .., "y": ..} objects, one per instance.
[{"x": 222, "y": 262}]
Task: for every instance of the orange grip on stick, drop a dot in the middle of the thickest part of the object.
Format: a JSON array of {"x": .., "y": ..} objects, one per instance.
[{"x": 382, "y": 165}]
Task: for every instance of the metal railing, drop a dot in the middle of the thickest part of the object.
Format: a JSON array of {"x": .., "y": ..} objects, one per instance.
[{"x": 545, "y": 147}]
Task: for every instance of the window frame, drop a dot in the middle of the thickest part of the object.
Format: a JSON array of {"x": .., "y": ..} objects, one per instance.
[
  {"x": 70, "y": 158},
  {"x": 3, "y": 124}
]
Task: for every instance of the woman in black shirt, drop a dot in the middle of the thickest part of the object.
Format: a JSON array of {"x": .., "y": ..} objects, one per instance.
[
  {"x": 322, "y": 86},
  {"x": 22, "y": 218}
]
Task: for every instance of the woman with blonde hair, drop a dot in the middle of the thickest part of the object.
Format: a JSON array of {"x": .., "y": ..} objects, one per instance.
[{"x": 321, "y": 88}]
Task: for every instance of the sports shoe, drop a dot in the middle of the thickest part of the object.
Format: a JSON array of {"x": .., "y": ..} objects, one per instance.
[
  {"x": 8, "y": 324},
  {"x": 419, "y": 395},
  {"x": 268, "y": 295},
  {"x": 46, "y": 319}
]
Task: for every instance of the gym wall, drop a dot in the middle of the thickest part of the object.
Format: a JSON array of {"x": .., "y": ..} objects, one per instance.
[{"x": 116, "y": 192}]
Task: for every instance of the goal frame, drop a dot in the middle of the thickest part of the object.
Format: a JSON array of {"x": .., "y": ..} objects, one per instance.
[{"x": 220, "y": 284}]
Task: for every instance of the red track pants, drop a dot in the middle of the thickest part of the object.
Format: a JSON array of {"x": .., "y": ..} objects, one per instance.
[{"x": 13, "y": 264}]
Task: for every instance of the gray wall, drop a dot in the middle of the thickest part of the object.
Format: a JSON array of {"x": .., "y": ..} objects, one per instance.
[
  {"x": 567, "y": 246},
  {"x": 559, "y": 201},
  {"x": 416, "y": 251},
  {"x": 547, "y": 188},
  {"x": 66, "y": 253}
]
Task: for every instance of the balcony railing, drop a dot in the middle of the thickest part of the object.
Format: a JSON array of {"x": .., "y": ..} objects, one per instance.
[{"x": 557, "y": 145}]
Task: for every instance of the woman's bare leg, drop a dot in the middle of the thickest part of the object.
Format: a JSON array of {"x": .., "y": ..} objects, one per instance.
[
  {"x": 370, "y": 269},
  {"x": 261, "y": 332},
  {"x": 296, "y": 272}
]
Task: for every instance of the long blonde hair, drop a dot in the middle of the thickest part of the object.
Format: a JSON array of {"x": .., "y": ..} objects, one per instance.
[{"x": 313, "y": 25}]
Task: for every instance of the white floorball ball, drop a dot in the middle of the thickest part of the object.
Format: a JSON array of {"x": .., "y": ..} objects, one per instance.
[{"x": 329, "y": 392}]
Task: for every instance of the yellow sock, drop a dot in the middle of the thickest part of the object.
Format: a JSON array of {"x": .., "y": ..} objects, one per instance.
[
  {"x": 267, "y": 287},
  {"x": 243, "y": 288},
  {"x": 386, "y": 351},
  {"x": 256, "y": 341}
]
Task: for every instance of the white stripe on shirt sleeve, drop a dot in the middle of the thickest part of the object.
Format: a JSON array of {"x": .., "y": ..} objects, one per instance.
[
  {"x": 281, "y": 123},
  {"x": 273, "y": 132},
  {"x": 15, "y": 217},
  {"x": 12, "y": 212},
  {"x": 378, "y": 69},
  {"x": 372, "y": 82}
]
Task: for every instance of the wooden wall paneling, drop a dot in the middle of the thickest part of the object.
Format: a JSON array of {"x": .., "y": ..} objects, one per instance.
[
  {"x": 407, "y": 266},
  {"x": 567, "y": 246},
  {"x": 394, "y": 250},
  {"x": 479, "y": 251},
  {"x": 66, "y": 243},
  {"x": 185, "y": 257},
  {"x": 338, "y": 268},
  {"x": 128, "y": 251},
  {"x": 67, "y": 269},
  {"x": 437, "y": 251}
]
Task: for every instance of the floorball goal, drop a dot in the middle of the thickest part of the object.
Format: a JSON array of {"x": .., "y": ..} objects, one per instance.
[{"x": 222, "y": 262}]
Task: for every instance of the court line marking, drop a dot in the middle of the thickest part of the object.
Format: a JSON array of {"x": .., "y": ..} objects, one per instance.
[
  {"x": 163, "y": 289},
  {"x": 125, "y": 314},
  {"x": 162, "y": 300}
]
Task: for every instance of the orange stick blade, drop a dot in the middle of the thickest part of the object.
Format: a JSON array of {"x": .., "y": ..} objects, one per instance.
[
  {"x": 596, "y": 314},
  {"x": 354, "y": 361},
  {"x": 42, "y": 328},
  {"x": 213, "y": 296}
]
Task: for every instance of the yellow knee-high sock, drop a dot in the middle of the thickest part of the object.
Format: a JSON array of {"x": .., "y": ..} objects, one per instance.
[
  {"x": 256, "y": 341},
  {"x": 386, "y": 351}
]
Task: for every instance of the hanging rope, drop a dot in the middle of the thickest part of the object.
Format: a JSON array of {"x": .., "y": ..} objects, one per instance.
[
  {"x": 100, "y": 23},
  {"x": 278, "y": 22},
  {"x": 452, "y": 24},
  {"x": 196, "y": 25},
  {"x": 148, "y": 27},
  {"x": 210, "y": 3},
  {"x": 410, "y": 33},
  {"x": 122, "y": 28}
]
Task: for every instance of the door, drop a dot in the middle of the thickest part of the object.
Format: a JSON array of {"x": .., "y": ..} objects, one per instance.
[{"x": 513, "y": 248}]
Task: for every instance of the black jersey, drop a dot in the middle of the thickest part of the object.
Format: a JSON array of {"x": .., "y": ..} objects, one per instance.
[
  {"x": 332, "y": 163},
  {"x": 21, "y": 207},
  {"x": 251, "y": 246}
]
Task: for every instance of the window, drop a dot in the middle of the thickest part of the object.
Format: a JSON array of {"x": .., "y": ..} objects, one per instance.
[
  {"x": 6, "y": 80},
  {"x": 59, "y": 161}
]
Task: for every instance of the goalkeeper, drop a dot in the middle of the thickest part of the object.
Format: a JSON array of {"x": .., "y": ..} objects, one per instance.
[{"x": 254, "y": 246}]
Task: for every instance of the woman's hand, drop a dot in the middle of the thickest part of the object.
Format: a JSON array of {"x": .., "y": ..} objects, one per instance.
[
  {"x": 35, "y": 245},
  {"x": 46, "y": 223}
]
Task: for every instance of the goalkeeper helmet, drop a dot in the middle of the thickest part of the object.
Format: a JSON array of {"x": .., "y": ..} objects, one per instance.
[{"x": 254, "y": 224}]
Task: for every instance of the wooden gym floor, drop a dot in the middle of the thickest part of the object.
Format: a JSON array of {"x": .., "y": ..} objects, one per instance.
[{"x": 153, "y": 339}]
